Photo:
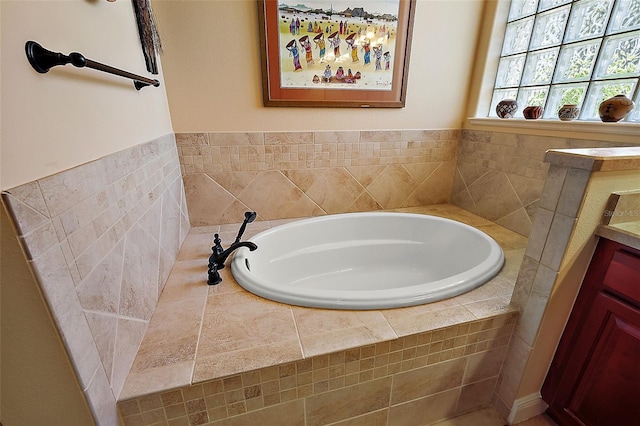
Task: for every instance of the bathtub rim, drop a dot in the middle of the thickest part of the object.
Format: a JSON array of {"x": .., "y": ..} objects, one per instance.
[{"x": 358, "y": 299}]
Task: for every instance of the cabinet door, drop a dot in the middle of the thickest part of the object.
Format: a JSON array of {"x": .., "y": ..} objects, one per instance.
[
  {"x": 601, "y": 385},
  {"x": 593, "y": 283}
]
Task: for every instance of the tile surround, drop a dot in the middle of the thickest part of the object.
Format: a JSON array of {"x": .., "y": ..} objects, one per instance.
[
  {"x": 101, "y": 239},
  {"x": 496, "y": 175},
  {"x": 313, "y": 173},
  {"x": 463, "y": 359},
  {"x": 257, "y": 359}
]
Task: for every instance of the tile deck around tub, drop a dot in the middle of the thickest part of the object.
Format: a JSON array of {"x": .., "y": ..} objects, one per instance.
[{"x": 199, "y": 333}]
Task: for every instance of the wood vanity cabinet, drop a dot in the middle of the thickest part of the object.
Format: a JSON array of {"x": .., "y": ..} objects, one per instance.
[{"x": 594, "y": 378}]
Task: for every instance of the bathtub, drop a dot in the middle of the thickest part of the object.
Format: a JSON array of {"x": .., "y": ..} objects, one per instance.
[{"x": 374, "y": 260}]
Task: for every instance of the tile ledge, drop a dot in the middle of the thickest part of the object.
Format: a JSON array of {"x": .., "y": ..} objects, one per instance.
[
  {"x": 625, "y": 128},
  {"x": 596, "y": 159}
]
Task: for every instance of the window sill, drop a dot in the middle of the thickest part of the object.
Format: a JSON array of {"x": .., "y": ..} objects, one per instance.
[{"x": 627, "y": 129}]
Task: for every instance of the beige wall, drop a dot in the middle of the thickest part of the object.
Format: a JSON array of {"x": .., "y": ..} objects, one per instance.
[
  {"x": 213, "y": 71},
  {"x": 52, "y": 122}
]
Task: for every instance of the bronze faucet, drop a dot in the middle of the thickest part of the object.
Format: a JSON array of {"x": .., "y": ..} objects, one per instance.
[{"x": 220, "y": 255}]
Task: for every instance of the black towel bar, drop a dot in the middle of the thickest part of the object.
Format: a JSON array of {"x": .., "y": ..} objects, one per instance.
[{"x": 42, "y": 60}]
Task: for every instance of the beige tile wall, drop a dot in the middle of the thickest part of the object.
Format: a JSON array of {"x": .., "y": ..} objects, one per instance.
[
  {"x": 284, "y": 175},
  {"x": 102, "y": 238},
  {"x": 413, "y": 380},
  {"x": 500, "y": 176}
]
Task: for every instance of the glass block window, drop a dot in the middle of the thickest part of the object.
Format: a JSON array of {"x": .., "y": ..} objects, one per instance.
[{"x": 558, "y": 52}]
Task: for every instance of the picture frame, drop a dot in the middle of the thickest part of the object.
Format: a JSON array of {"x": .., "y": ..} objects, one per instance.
[{"x": 335, "y": 53}]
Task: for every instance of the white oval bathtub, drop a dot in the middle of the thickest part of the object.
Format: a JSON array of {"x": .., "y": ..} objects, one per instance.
[{"x": 367, "y": 261}]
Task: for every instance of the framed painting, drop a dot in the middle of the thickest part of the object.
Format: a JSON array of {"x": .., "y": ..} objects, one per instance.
[{"x": 335, "y": 53}]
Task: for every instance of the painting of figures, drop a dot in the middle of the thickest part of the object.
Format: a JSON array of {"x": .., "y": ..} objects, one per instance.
[
  {"x": 336, "y": 52},
  {"x": 348, "y": 45}
]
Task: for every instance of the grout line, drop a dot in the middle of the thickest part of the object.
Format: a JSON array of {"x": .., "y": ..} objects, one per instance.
[
  {"x": 195, "y": 354},
  {"x": 295, "y": 324}
]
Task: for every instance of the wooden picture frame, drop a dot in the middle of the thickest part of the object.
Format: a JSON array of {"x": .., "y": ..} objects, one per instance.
[{"x": 335, "y": 53}]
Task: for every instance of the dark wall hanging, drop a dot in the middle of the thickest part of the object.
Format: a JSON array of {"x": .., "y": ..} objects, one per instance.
[{"x": 151, "y": 45}]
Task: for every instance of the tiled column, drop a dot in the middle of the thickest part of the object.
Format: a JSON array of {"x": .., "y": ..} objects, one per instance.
[
  {"x": 554, "y": 221},
  {"x": 545, "y": 270}
]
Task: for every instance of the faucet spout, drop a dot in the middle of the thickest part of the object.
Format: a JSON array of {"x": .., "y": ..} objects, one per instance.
[{"x": 221, "y": 258}]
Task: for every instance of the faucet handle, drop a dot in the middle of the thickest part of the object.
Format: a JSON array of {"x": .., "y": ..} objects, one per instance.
[{"x": 217, "y": 244}]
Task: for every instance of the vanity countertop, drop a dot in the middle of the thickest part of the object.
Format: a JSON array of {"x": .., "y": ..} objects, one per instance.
[{"x": 627, "y": 233}]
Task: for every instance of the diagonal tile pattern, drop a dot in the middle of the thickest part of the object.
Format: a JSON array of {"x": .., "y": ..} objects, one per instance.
[
  {"x": 314, "y": 173},
  {"x": 500, "y": 176},
  {"x": 392, "y": 187},
  {"x": 272, "y": 188},
  {"x": 333, "y": 189}
]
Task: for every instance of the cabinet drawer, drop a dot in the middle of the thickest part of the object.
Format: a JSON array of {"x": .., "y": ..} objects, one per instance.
[{"x": 623, "y": 276}]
